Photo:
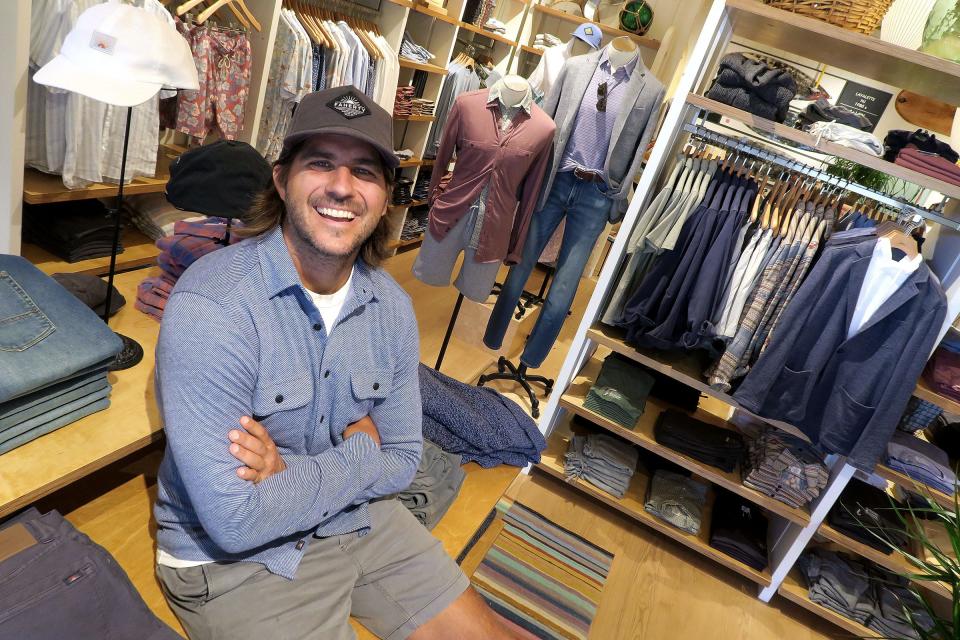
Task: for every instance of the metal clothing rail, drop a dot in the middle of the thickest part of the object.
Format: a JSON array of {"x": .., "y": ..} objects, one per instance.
[{"x": 795, "y": 165}]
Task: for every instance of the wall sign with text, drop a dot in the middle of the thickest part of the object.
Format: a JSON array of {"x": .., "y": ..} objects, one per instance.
[{"x": 867, "y": 101}]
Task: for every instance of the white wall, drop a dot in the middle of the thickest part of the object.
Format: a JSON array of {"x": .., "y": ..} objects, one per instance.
[{"x": 15, "y": 32}]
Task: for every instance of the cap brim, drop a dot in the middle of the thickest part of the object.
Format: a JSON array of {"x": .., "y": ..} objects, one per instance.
[
  {"x": 64, "y": 74},
  {"x": 388, "y": 156}
]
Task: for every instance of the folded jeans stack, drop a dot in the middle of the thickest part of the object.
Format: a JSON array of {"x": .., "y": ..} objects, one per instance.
[
  {"x": 866, "y": 514},
  {"x": 435, "y": 485},
  {"x": 60, "y": 584},
  {"x": 863, "y": 592},
  {"x": 753, "y": 86},
  {"x": 73, "y": 231},
  {"x": 54, "y": 356},
  {"x": 783, "y": 467},
  {"x": 153, "y": 214},
  {"x": 421, "y": 189},
  {"x": 620, "y": 391},
  {"x": 677, "y": 499},
  {"x": 604, "y": 461},
  {"x": 715, "y": 446},
  {"x": 739, "y": 529},
  {"x": 930, "y": 164},
  {"x": 921, "y": 460}
]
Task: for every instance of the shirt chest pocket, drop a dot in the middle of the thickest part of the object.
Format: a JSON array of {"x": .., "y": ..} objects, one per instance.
[
  {"x": 284, "y": 409},
  {"x": 369, "y": 387}
]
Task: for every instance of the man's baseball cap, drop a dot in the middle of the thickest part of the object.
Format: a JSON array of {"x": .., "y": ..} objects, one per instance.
[
  {"x": 346, "y": 111},
  {"x": 122, "y": 55},
  {"x": 589, "y": 33}
]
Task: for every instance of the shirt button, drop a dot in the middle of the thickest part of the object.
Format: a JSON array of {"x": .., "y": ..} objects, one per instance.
[
  {"x": 326, "y": 374},
  {"x": 299, "y": 545},
  {"x": 279, "y": 398},
  {"x": 376, "y": 385},
  {"x": 317, "y": 326}
]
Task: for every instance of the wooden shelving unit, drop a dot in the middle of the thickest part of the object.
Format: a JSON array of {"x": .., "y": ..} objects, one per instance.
[
  {"x": 924, "y": 392},
  {"x": 643, "y": 41},
  {"x": 422, "y": 66},
  {"x": 532, "y": 50},
  {"x": 397, "y": 244},
  {"x": 415, "y": 162},
  {"x": 489, "y": 34},
  {"x": 551, "y": 462},
  {"x": 825, "y": 146},
  {"x": 642, "y": 434},
  {"x": 415, "y": 118},
  {"x": 793, "y": 590},
  {"x": 916, "y": 486},
  {"x": 138, "y": 251},
  {"x": 401, "y": 207},
  {"x": 442, "y": 16}
]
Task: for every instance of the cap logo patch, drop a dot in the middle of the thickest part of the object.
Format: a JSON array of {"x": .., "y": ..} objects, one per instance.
[
  {"x": 103, "y": 42},
  {"x": 349, "y": 106},
  {"x": 588, "y": 31}
]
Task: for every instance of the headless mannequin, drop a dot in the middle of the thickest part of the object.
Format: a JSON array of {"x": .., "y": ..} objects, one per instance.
[
  {"x": 622, "y": 51},
  {"x": 513, "y": 90}
]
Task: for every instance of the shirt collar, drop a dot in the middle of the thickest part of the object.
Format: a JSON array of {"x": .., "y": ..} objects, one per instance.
[
  {"x": 526, "y": 103},
  {"x": 626, "y": 70}
]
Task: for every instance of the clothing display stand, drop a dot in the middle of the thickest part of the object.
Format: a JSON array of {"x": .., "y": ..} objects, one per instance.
[
  {"x": 507, "y": 371},
  {"x": 446, "y": 337}
]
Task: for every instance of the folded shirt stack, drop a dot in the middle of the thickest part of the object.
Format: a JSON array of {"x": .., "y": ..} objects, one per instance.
[
  {"x": 401, "y": 192},
  {"x": 864, "y": 512},
  {"x": 403, "y": 104},
  {"x": 496, "y": 26},
  {"x": 421, "y": 189},
  {"x": 822, "y": 111},
  {"x": 620, "y": 391},
  {"x": 921, "y": 460},
  {"x": 435, "y": 485},
  {"x": 783, "y": 467},
  {"x": 546, "y": 40},
  {"x": 753, "y": 86},
  {"x": 73, "y": 231},
  {"x": 942, "y": 372},
  {"x": 55, "y": 356},
  {"x": 403, "y": 154},
  {"x": 847, "y": 136},
  {"x": 918, "y": 415},
  {"x": 898, "y": 139},
  {"x": 421, "y": 107},
  {"x": 415, "y": 225},
  {"x": 154, "y": 215},
  {"x": 677, "y": 499},
  {"x": 604, "y": 461},
  {"x": 715, "y": 446},
  {"x": 413, "y": 51},
  {"x": 739, "y": 529},
  {"x": 863, "y": 592},
  {"x": 930, "y": 164}
]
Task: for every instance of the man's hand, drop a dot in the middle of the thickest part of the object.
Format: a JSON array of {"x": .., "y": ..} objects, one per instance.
[
  {"x": 363, "y": 425},
  {"x": 255, "y": 448}
]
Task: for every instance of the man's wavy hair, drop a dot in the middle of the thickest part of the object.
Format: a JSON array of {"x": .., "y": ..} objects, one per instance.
[{"x": 268, "y": 210}]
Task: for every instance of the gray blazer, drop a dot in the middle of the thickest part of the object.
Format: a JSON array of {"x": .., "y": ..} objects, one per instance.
[
  {"x": 847, "y": 395},
  {"x": 631, "y": 132}
]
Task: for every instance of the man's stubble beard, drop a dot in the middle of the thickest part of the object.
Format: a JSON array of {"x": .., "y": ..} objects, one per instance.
[{"x": 300, "y": 223}]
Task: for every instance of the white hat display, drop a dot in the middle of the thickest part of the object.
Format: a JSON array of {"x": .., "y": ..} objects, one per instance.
[
  {"x": 122, "y": 55},
  {"x": 573, "y": 8}
]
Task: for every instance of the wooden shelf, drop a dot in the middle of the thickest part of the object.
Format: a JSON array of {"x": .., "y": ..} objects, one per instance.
[
  {"x": 44, "y": 188},
  {"x": 895, "y": 562},
  {"x": 434, "y": 13},
  {"x": 924, "y": 392},
  {"x": 396, "y": 244},
  {"x": 825, "y": 146},
  {"x": 643, "y": 41},
  {"x": 400, "y": 207},
  {"x": 793, "y": 590},
  {"x": 531, "y": 50},
  {"x": 138, "y": 251},
  {"x": 130, "y": 423},
  {"x": 908, "y": 483},
  {"x": 422, "y": 66},
  {"x": 489, "y": 34},
  {"x": 415, "y": 118},
  {"x": 551, "y": 462},
  {"x": 861, "y": 54},
  {"x": 642, "y": 435},
  {"x": 415, "y": 162}
]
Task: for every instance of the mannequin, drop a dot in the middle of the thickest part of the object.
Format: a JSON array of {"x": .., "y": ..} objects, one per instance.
[
  {"x": 502, "y": 143},
  {"x": 585, "y": 38},
  {"x": 606, "y": 105}
]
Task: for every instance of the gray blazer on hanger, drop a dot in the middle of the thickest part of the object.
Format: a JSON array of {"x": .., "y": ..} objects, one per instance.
[{"x": 632, "y": 129}]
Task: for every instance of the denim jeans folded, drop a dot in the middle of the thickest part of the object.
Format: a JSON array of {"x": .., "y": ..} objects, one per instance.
[
  {"x": 53, "y": 425},
  {"x": 66, "y": 409},
  {"x": 44, "y": 401},
  {"x": 65, "y": 586}
]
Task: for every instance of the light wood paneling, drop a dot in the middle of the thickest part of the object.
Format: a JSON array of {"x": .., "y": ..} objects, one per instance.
[{"x": 138, "y": 251}]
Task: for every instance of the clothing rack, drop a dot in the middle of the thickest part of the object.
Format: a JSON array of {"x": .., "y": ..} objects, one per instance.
[
  {"x": 346, "y": 8},
  {"x": 737, "y": 144}
]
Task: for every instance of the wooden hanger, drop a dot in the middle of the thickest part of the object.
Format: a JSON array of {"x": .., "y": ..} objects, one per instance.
[
  {"x": 209, "y": 11},
  {"x": 186, "y": 6},
  {"x": 899, "y": 239}
]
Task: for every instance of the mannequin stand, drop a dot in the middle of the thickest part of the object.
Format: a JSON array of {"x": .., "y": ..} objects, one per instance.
[
  {"x": 507, "y": 371},
  {"x": 446, "y": 337}
]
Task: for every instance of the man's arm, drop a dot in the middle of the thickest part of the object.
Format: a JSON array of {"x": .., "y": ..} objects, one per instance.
[{"x": 206, "y": 375}]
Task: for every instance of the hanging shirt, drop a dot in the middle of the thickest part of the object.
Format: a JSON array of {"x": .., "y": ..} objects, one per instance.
[
  {"x": 884, "y": 276},
  {"x": 548, "y": 69}
]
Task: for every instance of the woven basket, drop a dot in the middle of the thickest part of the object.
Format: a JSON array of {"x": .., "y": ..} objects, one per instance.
[{"x": 863, "y": 16}]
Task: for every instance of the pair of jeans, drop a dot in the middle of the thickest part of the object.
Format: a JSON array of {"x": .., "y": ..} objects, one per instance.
[
  {"x": 46, "y": 334},
  {"x": 66, "y": 586},
  {"x": 66, "y": 413},
  {"x": 586, "y": 208}
]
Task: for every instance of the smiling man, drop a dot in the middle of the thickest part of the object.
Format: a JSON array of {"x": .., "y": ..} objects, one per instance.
[{"x": 287, "y": 380}]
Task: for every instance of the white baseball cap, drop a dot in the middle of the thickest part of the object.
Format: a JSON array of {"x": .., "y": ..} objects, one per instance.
[{"x": 122, "y": 55}]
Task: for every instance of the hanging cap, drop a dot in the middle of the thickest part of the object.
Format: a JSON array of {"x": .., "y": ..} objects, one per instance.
[
  {"x": 589, "y": 33},
  {"x": 218, "y": 179},
  {"x": 122, "y": 55}
]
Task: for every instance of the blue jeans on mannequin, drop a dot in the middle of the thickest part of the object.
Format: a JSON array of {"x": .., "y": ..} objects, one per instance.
[{"x": 586, "y": 209}]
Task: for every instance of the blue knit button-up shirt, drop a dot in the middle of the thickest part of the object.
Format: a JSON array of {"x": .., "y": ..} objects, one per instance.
[{"x": 240, "y": 336}]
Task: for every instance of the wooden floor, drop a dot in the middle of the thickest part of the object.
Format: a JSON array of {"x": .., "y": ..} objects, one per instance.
[{"x": 657, "y": 588}]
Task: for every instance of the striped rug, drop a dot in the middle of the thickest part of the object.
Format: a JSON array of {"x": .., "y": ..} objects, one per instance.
[{"x": 541, "y": 576}]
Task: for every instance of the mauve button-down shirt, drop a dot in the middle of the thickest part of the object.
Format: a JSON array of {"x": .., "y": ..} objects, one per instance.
[
  {"x": 590, "y": 139},
  {"x": 513, "y": 162}
]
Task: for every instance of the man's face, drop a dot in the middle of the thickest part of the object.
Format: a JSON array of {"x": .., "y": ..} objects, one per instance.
[{"x": 335, "y": 194}]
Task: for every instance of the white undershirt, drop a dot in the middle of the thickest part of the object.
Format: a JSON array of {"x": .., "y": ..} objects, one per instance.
[
  {"x": 884, "y": 276},
  {"x": 329, "y": 307}
]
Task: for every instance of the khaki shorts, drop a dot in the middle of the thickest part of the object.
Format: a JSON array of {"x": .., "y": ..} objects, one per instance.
[{"x": 392, "y": 580}]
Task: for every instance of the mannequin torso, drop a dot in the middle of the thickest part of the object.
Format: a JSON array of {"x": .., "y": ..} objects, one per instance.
[
  {"x": 622, "y": 51},
  {"x": 513, "y": 89}
]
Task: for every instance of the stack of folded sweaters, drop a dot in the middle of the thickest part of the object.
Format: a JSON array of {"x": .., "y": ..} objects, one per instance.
[
  {"x": 73, "y": 231},
  {"x": 921, "y": 460},
  {"x": 620, "y": 390},
  {"x": 739, "y": 529},
  {"x": 863, "y": 592},
  {"x": 929, "y": 164},
  {"x": 783, "y": 467},
  {"x": 435, "y": 485},
  {"x": 153, "y": 214},
  {"x": 677, "y": 499},
  {"x": 753, "y": 86},
  {"x": 54, "y": 357},
  {"x": 403, "y": 104},
  {"x": 604, "y": 461},
  {"x": 715, "y": 446},
  {"x": 401, "y": 192},
  {"x": 866, "y": 514}
]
